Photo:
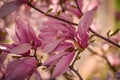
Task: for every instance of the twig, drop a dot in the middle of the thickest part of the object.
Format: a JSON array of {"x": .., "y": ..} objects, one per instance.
[
  {"x": 72, "y": 66},
  {"x": 51, "y": 15},
  {"x": 35, "y": 55},
  {"x": 106, "y": 39},
  {"x": 76, "y": 72},
  {"x": 78, "y": 7},
  {"x": 76, "y": 58}
]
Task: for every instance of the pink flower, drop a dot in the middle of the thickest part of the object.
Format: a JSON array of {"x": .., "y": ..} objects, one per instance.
[
  {"x": 24, "y": 34},
  {"x": 24, "y": 39},
  {"x": 62, "y": 65},
  {"x": 53, "y": 33},
  {"x": 61, "y": 58},
  {"x": 20, "y": 69},
  {"x": 10, "y": 6},
  {"x": 83, "y": 28}
]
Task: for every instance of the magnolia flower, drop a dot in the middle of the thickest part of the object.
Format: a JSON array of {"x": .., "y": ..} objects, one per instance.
[
  {"x": 11, "y": 5},
  {"x": 61, "y": 58},
  {"x": 83, "y": 28},
  {"x": 53, "y": 33},
  {"x": 24, "y": 39},
  {"x": 20, "y": 69}
]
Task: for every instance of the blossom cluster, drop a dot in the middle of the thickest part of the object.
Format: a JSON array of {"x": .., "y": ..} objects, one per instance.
[{"x": 60, "y": 40}]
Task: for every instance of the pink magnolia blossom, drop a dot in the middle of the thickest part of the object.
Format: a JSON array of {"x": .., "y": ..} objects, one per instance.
[
  {"x": 24, "y": 39},
  {"x": 10, "y": 6},
  {"x": 83, "y": 28},
  {"x": 62, "y": 58},
  {"x": 20, "y": 69},
  {"x": 54, "y": 33},
  {"x": 62, "y": 65}
]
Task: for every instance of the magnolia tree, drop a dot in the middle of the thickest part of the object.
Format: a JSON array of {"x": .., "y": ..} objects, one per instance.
[{"x": 43, "y": 39}]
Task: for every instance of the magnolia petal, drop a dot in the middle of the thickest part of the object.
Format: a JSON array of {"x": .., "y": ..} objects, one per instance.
[
  {"x": 62, "y": 16},
  {"x": 51, "y": 46},
  {"x": 80, "y": 3},
  {"x": 5, "y": 47},
  {"x": 54, "y": 58},
  {"x": 21, "y": 30},
  {"x": 62, "y": 65},
  {"x": 21, "y": 49},
  {"x": 37, "y": 75},
  {"x": 86, "y": 21},
  {"x": 62, "y": 47},
  {"x": 83, "y": 28},
  {"x": 11, "y": 33},
  {"x": 9, "y": 7},
  {"x": 3, "y": 57},
  {"x": 20, "y": 69}
]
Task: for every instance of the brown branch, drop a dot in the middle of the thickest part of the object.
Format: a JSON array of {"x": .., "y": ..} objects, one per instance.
[
  {"x": 72, "y": 65},
  {"x": 106, "y": 39},
  {"x": 76, "y": 72},
  {"x": 35, "y": 55},
  {"x": 78, "y": 7}
]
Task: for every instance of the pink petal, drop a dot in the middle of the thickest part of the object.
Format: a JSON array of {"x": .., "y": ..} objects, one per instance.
[
  {"x": 21, "y": 31},
  {"x": 63, "y": 46},
  {"x": 62, "y": 65},
  {"x": 20, "y": 69},
  {"x": 5, "y": 47},
  {"x": 54, "y": 58},
  {"x": 80, "y": 3},
  {"x": 61, "y": 51},
  {"x": 61, "y": 30},
  {"x": 62, "y": 16},
  {"x": 9, "y": 7},
  {"x": 11, "y": 33},
  {"x": 51, "y": 46},
  {"x": 86, "y": 21},
  {"x": 37, "y": 75},
  {"x": 3, "y": 57},
  {"x": 83, "y": 27},
  {"x": 21, "y": 49}
]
